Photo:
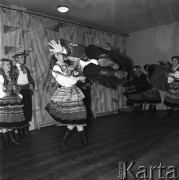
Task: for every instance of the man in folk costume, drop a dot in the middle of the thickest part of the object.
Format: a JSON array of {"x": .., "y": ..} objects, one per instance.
[
  {"x": 26, "y": 87},
  {"x": 97, "y": 64}
]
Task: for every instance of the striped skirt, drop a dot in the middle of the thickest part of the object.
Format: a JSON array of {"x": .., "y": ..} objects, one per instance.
[
  {"x": 11, "y": 113},
  {"x": 172, "y": 95},
  {"x": 137, "y": 98},
  {"x": 67, "y": 107},
  {"x": 152, "y": 96}
]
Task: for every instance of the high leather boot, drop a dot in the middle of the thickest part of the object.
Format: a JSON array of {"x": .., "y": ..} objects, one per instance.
[
  {"x": 20, "y": 133},
  {"x": 168, "y": 113},
  {"x": 66, "y": 137},
  {"x": 139, "y": 108},
  {"x": 24, "y": 132},
  {"x": 83, "y": 138},
  {"x": 6, "y": 142},
  {"x": 150, "y": 107},
  {"x": 154, "y": 108},
  {"x": 12, "y": 137}
]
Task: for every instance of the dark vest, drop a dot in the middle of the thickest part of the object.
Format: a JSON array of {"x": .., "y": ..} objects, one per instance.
[{"x": 15, "y": 72}]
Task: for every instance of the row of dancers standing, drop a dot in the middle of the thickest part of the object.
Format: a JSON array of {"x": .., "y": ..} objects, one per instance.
[{"x": 143, "y": 89}]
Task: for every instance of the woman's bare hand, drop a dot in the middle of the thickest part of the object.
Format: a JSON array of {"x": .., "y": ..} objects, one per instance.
[
  {"x": 81, "y": 78},
  {"x": 57, "y": 47}
]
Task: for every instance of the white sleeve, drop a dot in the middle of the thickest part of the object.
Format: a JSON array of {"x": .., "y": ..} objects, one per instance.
[
  {"x": 62, "y": 79},
  {"x": 170, "y": 80},
  {"x": 2, "y": 93},
  {"x": 83, "y": 63},
  {"x": 1, "y": 79},
  {"x": 176, "y": 74}
]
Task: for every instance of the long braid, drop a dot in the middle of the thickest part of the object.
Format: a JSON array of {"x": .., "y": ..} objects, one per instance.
[
  {"x": 49, "y": 81},
  {"x": 4, "y": 76},
  {"x": 9, "y": 82}
]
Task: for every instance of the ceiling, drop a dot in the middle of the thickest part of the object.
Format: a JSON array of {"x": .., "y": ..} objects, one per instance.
[{"x": 122, "y": 16}]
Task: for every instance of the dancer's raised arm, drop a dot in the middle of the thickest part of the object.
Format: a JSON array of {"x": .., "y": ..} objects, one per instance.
[{"x": 57, "y": 47}]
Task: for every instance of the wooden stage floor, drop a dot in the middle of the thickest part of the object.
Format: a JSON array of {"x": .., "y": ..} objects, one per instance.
[{"x": 128, "y": 137}]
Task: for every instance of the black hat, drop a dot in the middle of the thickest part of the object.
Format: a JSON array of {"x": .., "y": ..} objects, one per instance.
[
  {"x": 146, "y": 67},
  {"x": 175, "y": 57},
  {"x": 165, "y": 63},
  {"x": 137, "y": 67},
  {"x": 73, "y": 49},
  {"x": 20, "y": 54}
]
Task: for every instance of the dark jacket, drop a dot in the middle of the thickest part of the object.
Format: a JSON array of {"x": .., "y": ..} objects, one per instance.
[
  {"x": 139, "y": 84},
  {"x": 15, "y": 72}
]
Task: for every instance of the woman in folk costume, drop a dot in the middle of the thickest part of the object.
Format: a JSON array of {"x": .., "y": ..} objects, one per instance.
[
  {"x": 11, "y": 108},
  {"x": 134, "y": 89},
  {"x": 171, "y": 99},
  {"x": 151, "y": 96},
  {"x": 165, "y": 77},
  {"x": 66, "y": 105}
]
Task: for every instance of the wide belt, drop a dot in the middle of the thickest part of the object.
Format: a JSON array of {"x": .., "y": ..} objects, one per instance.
[{"x": 25, "y": 86}]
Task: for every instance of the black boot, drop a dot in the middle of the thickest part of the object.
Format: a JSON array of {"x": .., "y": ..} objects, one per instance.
[
  {"x": 150, "y": 108},
  {"x": 83, "y": 138},
  {"x": 141, "y": 108},
  {"x": 168, "y": 113},
  {"x": 12, "y": 137},
  {"x": 6, "y": 140},
  {"x": 138, "y": 108},
  {"x": 25, "y": 131},
  {"x": 154, "y": 108},
  {"x": 66, "y": 137},
  {"x": 20, "y": 134}
]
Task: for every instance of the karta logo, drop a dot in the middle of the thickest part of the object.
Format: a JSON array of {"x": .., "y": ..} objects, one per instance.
[{"x": 129, "y": 171}]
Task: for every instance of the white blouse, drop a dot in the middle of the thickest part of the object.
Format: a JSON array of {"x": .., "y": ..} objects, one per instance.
[
  {"x": 83, "y": 63},
  {"x": 2, "y": 93},
  {"x": 62, "y": 79},
  {"x": 22, "y": 79}
]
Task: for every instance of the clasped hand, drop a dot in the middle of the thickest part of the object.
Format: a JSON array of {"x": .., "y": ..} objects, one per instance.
[{"x": 81, "y": 78}]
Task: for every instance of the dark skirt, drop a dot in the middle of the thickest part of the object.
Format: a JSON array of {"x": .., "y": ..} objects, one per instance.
[
  {"x": 137, "y": 98},
  {"x": 67, "y": 107},
  {"x": 152, "y": 96},
  {"x": 11, "y": 113},
  {"x": 172, "y": 95}
]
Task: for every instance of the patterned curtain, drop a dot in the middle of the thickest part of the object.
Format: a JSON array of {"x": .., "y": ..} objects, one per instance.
[{"x": 21, "y": 31}]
